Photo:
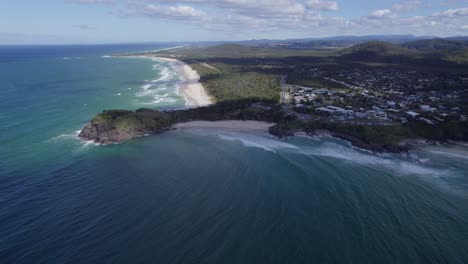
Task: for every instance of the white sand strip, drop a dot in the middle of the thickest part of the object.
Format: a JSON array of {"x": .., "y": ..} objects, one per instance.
[{"x": 190, "y": 87}]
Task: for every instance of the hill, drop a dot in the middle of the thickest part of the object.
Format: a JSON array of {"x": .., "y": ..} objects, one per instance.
[
  {"x": 420, "y": 52},
  {"x": 436, "y": 45},
  {"x": 455, "y": 51},
  {"x": 378, "y": 51}
]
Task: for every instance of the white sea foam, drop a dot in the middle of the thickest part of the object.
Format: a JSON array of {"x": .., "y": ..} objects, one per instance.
[
  {"x": 66, "y": 136},
  {"x": 162, "y": 90},
  {"x": 258, "y": 141},
  {"x": 403, "y": 167},
  {"x": 394, "y": 164},
  {"x": 246, "y": 142},
  {"x": 448, "y": 154},
  {"x": 146, "y": 86},
  {"x": 325, "y": 148},
  {"x": 165, "y": 74}
]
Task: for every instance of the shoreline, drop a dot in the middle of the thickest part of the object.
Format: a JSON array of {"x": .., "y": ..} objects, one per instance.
[{"x": 189, "y": 87}]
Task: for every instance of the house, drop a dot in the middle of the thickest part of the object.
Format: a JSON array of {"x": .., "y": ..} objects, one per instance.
[
  {"x": 427, "y": 121},
  {"x": 360, "y": 115},
  {"x": 381, "y": 115},
  {"x": 324, "y": 111},
  {"x": 371, "y": 114},
  {"x": 427, "y": 108},
  {"x": 335, "y": 111},
  {"x": 391, "y": 103},
  {"x": 411, "y": 114}
]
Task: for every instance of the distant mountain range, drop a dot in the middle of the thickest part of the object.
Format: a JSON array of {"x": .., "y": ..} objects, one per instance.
[
  {"x": 355, "y": 39},
  {"x": 329, "y": 42}
]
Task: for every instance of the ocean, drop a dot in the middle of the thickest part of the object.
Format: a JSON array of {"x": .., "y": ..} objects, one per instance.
[{"x": 200, "y": 196}]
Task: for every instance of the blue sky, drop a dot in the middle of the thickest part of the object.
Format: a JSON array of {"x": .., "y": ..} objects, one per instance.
[{"x": 107, "y": 21}]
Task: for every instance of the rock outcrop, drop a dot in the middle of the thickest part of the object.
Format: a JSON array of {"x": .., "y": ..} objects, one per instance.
[{"x": 118, "y": 126}]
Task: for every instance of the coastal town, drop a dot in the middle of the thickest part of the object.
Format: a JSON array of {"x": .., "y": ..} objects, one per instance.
[
  {"x": 375, "y": 106},
  {"x": 377, "y": 96}
]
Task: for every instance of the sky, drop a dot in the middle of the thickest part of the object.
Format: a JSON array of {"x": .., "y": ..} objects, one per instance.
[{"x": 124, "y": 21}]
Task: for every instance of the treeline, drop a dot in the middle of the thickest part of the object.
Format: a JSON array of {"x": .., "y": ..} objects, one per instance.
[
  {"x": 244, "y": 109},
  {"x": 378, "y": 137}
]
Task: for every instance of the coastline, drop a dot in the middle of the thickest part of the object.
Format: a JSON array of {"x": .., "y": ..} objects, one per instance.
[{"x": 190, "y": 87}]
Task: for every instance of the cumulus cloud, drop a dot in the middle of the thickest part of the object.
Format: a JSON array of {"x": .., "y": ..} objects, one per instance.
[
  {"x": 174, "y": 12},
  {"x": 323, "y": 5},
  {"x": 396, "y": 9},
  {"x": 305, "y": 16},
  {"x": 382, "y": 14},
  {"x": 451, "y": 13}
]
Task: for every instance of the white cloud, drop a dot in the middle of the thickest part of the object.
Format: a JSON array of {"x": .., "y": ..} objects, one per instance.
[
  {"x": 451, "y": 13},
  {"x": 160, "y": 11},
  {"x": 382, "y": 14},
  {"x": 323, "y": 5},
  {"x": 309, "y": 17},
  {"x": 407, "y": 6}
]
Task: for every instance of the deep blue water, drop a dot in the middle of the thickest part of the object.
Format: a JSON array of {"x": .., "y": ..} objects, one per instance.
[{"x": 200, "y": 196}]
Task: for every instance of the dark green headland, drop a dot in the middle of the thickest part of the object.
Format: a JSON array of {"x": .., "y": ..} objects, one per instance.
[{"x": 116, "y": 126}]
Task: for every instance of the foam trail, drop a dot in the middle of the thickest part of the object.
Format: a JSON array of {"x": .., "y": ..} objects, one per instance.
[
  {"x": 449, "y": 154},
  {"x": 258, "y": 141},
  {"x": 246, "y": 143},
  {"x": 402, "y": 167},
  {"x": 68, "y": 136}
]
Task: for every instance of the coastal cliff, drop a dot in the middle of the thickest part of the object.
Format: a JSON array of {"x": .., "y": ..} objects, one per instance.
[{"x": 117, "y": 126}]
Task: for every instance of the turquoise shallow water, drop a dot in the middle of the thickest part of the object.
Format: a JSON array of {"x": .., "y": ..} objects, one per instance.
[{"x": 200, "y": 196}]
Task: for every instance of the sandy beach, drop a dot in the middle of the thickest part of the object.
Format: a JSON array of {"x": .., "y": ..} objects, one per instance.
[
  {"x": 229, "y": 124},
  {"x": 190, "y": 87}
]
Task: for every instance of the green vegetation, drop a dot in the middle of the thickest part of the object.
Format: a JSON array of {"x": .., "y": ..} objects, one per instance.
[
  {"x": 379, "y": 51},
  {"x": 378, "y": 137},
  {"x": 227, "y": 82},
  {"x": 436, "y": 45},
  {"x": 245, "y": 83},
  {"x": 421, "y": 52},
  {"x": 118, "y": 126},
  {"x": 301, "y": 80},
  {"x": 240, "y": 51}
]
